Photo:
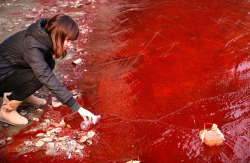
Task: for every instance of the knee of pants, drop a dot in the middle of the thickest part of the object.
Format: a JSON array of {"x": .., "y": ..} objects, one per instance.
[{"x": 36, "y": 82}]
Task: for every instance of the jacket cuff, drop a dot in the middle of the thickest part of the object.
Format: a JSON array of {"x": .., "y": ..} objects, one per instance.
[{"x": 73, "y": 105}]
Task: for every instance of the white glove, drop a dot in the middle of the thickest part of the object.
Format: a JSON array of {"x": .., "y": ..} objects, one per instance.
[{"x": 85, "y": 113}]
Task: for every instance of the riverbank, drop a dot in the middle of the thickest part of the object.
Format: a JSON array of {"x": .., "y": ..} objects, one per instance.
[{"x": 43, "y": 135}]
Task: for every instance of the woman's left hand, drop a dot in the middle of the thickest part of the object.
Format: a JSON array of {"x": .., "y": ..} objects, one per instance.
[{"x": 85, "y": 113}]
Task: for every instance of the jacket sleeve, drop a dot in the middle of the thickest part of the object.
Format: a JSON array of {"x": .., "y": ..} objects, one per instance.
[{"x": 35, "y": 56}]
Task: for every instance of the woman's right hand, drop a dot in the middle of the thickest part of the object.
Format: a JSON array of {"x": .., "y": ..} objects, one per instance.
[{"x": 87, "y": 114}]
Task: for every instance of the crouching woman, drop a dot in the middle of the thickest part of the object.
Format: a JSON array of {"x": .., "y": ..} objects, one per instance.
[{"x": 26, "y": 64}]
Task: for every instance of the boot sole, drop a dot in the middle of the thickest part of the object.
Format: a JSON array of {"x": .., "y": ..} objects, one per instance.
[{"x": 8, "y": 122}]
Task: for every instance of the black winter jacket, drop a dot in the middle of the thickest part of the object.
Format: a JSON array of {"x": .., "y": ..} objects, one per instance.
[{"x": 31, "y": 48}]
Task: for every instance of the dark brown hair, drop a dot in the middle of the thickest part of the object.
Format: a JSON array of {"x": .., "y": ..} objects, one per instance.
[{"x": 61, "y": 27}]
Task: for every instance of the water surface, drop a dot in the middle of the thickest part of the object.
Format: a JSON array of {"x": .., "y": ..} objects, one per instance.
[{"x": 161, "y": 69}]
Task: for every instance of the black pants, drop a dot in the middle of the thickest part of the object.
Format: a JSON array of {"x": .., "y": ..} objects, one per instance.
[{"x": 22, "y": 84}]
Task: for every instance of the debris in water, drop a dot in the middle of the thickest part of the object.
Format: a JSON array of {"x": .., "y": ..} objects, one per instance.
[
  {"x": 202, "y": 135},
  {"x": 212, "y": 137},
  {"x": 78, "y": 61},
  {"x": 86, "y": 125}
]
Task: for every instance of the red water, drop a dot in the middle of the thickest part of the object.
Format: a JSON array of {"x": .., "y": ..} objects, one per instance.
[{"x": 158, "y": 70}]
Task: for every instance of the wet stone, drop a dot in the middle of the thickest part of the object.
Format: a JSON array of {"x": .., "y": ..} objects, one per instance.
[
  {"x": 58, "y": 145},
  {"x": 80, "y": 146},
  {"x": 78, "y": 151},
  {"x": 52, "y": 151},
  {"x": 62, "y": 123},
  {"x": 46, "y": 139},
  {"x": 54, "y": 124},
  {"x": 50, "y": 145},
  {"x": 56, "y": 138},
  {"x": 83, "y": 139},
  {"x": 28, "y": 143},
  {"x": 49, "y": 133},
  {"x": 9, "y": 138},
  {"x": 71, "y": 148},
  {"x": 40, "y": 135},
  {"x": 57, "y": 130},
  {"x": 55, "y": 103},
  {"x": 24, "y": 150},
  {"x": 91, "y": 134},
  {"x": 2, "y": 143},
  {"x": 90, "y": 141},
  {"x": 64, "y": 148},
  {"x": 6, "y": 125},
  {"x": 47, "y": 120},
  {"x": 64, "y": 138},
  {"x": 35, "y": 119},
  {"x": 72, "y": 142},
  {"x": 44, "y": 124},
  {"x": 39, "y": 143},
  {"x": 132, "y": 161},
  {"x": 78, "y": 61},
  {"x": 34, "y": 129}
]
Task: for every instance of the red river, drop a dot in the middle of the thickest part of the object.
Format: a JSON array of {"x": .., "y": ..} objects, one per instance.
[{"x": 158, "y": 70}]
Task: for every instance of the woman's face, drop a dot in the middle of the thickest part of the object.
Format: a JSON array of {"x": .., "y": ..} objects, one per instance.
[{"x": 66, "y": 44}]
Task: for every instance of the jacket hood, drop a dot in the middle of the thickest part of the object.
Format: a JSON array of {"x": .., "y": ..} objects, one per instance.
[{"x": 38, "y": 32}]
